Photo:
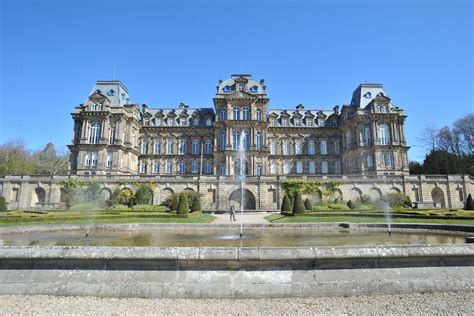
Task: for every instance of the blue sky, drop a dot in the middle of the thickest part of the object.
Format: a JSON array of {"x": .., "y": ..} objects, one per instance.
[{"x": 167, "y": 52}]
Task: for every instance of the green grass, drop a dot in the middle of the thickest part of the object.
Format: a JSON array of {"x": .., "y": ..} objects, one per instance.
[{"x": 20, "y": 218}]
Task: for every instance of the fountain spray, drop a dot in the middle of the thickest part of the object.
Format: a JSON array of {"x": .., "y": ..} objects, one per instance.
[{"x": 241, "y": 178}]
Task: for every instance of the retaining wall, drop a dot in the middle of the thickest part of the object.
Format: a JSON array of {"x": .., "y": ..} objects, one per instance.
[{"x": 235, "y": 272}]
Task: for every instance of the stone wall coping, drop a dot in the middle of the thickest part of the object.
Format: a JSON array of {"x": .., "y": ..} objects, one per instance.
[{"x": 234, "y": 254}]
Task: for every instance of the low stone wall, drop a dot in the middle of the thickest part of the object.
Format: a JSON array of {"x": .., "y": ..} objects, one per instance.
[{"x": 235, "y": 272}]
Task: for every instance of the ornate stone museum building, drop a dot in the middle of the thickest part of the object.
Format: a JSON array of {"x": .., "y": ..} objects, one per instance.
[{"x": 361, "y": 144}]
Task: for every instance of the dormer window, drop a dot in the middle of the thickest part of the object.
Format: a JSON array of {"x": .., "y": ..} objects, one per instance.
[
  {"x": 146, "y": 122},
  {"x": 111, "y": 93},
  {"x": 309, "y": 122},
  {"x": 227, "y": 89},
  {"x": 170, "y": 121},
  {"x": 368, "y": 95},
  {"x": 297, "y": 122},
  {"x": 158, "y": 122},
  {"x": 196, "y": 121},
  {"x": 273, "y": 122},
  {"x": 208, "y": 121},
  {"x": 284, "y": 122},
  {"x": 254, "y": 89},
  {"x": 380, "y": 94},
  {"x": 241, "y": 87},
  {"x": 184, "y": 122},
  {"x": 98, "y": 91}
]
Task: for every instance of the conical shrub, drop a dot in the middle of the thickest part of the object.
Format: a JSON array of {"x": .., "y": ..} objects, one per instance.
[
  {"x": 469, "y": 203},
  {"x": 3, "y": 204},
  {"x": 175, "y": 203},
  {"x": 298, "y": 205},
  {"x": 351, "y": 204},
  {"x": 183, "y": 207},
  {"x": 308, "y": 205},
  {"x": 196, "y": 205},
  {"x": 285, "y": 204}
]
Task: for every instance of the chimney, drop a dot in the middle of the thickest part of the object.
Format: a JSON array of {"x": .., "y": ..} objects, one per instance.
[
  {"x": 336, "y": 109},
  {"x": 144, "y": 108}
]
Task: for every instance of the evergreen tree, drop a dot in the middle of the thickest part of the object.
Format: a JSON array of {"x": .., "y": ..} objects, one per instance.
[
  {"x": 351, "y": 204},
  {"x": 3, "y": 204},
  {"x": 308, "y": 205},
  {"x": 285, "y": 205},
  {"x": 298, "y": 205},
  {"x": 469, "y": 203},
  {"x": 183, "y": 207},
  {"x": 196, "y": 205},
  {"x": 175, "y": 203}
]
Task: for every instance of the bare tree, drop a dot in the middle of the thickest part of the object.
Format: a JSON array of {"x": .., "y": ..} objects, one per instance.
[
  {"x": 428, "y": 138},
  {"x": 465, "y": 128}
]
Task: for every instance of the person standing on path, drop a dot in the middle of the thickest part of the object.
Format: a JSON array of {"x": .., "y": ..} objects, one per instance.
[{"x": 232, "y": 213}]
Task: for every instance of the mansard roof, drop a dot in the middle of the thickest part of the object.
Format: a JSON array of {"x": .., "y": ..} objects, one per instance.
[{"x": 180, "y": 111}]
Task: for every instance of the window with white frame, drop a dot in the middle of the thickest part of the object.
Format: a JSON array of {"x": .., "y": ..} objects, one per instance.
[
  {"x": 324, "y": 147},
  {"x": 297, "y": 122},
  {"x": 273, "y": 147},
  {"x": 324, "y": 167},
  {"x": 157, "y": 149},
  {"x": 208, "y": 121},
  {"x": 170, "y": 121},
  {"x": 196, "y": 121},
  {"x": 222, "y": 170},
  {"x": 236, "y": 114},
  {"x": 298, "y": 148},
  {"x": 184, "y": 121},
  {"x": 259, "y": 141},
  {"x": 337, "y": 167},
  {"x": 337, "y": 148},
  {"x": 142, "y": 167},
  {"x": 144, "y": 147},
  {"x": 387, "y": 160},
  {"x": 94, "y": 133},
  {"x": 258, "y": 115},
  {"x": 158, "y": 121},
  {"x": 273, "y": 168},
  {"x": 235, "y": 140},
  {"x": 181, "y": 167},
  {"x": 246, "y": 113},
  {"x": 208, "y": 147},
  {"x": 91, "y": 158},
  {"x": 312, "y": 167},
  {"x": 208, "y": 167},
  {"x": 222, "y": 140},
  {"x": 109, "y": 160},
  {"x": 384, "y": 134},
  {"x": 246, "y": 139},
  {"x": 258, "y": 170},
  {"x": 299, "y": 167},
  {"x": 146, "y": 122},
  {"x": 311, "y": 147},
  {"x": 195, "y": 147},
  {"x": 223, "y": 115},
  {"x": 182, "y": 147},
  {"x": 169, "y": 167},
  {"x": 273, "y": 122},
  {"x": 366, "y": 135},
  {"x": 170, "y": 147},
  {"x": 322, "y": 122},
  {"x": 284, "y": 122},
  {"x": 309, "y": 122},
  {"x": 112, "y": 135},
  {"x": 370, "y": 162},
  {"x": 287, "y": 167},
  {"x": 156, "y": 167},
  {"x": 195, "y": 166},
  {"x": 286, "y": 147}
]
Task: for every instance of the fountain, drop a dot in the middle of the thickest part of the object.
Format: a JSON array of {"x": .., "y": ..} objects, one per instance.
[{"x": 241, "y": 176}]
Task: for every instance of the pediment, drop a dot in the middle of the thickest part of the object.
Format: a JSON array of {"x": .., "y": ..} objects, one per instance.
[
  {"x": 240, "y": 95},
  {"x": 97, "y": 96}
]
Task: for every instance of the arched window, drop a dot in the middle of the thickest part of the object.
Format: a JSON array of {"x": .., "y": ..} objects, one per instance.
[
  {"x": 235, "y": 140},
  {"x": 195, "y": 166},
  {"x": 182, "y": 147},
  {"x": 258, "y": 170},
  {"x": 223, "y": 140},
  {"x": 324, "y": 148},
  {"x": 337, "y": 148},
  {"x": 298, "y": 148},
  {"x": 208, "y": 147},
  {"x": 196, "y": 121},
  {"x": 169, "y": 147},
  {"x": 246, "y": 113},
  {"x": 297, "y": 122},
  {"x": 273, "y": 168},
  {"x": 337, "y": 167},
  {"x": 208, "y": 121},
  {"x": 236, "y": 113},
  {"x": 208, "y": 167},
  {"x": 144, "y": 147},
  {"x": 156, "y": 166},
  {"x": 195, "y": 148},
  {"x": 311, "y": 149},
  {"x": 299, "y": 167},
  {"x": 246, "y": 139},
  {"x": 324, "y": 167},
  {"x": 286, "y": 167},
  {"x": 348, "y": 138},
  {"x": 94, "y": 133},
  {"x": 286, "y": 147},
  {"x": 169, "y": 167},
  {"x": 384, "y": 134},
  {"x": 312, "y": 167},
  {"x": 259, "y": 141},
  {"x": 366, "y": 135},
  {"x": 157, "y": 147},
  {"x": 223, "y": 115},
  {"x": 258, "y": 114},
  {"x": 222, "y": 170},
  {"x": 181, "y": 167}
]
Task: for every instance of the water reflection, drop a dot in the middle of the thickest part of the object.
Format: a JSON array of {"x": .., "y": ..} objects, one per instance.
[{"x": 224, "y": 238}]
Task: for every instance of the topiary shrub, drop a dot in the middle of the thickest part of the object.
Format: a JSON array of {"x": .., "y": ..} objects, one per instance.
[
  {"x": 366, "y": 199},
  {"x": 144, "y": 195},
  {"x": 469, "y": 203},
  {"x": 196, "y": 205},
  {"x": 396, "y": 199},
  {"x": 285, "y": 205},
  {"x": 298, "y": 205},
  {"x": 351, "y": 204},
  {"x": 183, "y": 207},
  {"x": 3, "y": 204},
  {"x": 308, "y": 205},
  {"x": 175, "y": 203}
]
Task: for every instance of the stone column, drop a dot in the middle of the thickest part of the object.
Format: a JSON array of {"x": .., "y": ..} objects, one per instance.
[{"x": 374, "y": 134}]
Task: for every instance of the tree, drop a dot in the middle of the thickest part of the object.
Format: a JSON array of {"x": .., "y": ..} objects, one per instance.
[
  {"x": 415, "y": 167},
  {"x": 144, "y": 194},
  {"x": 285, "y": 204},
  {"x": 49, "y": 161},
  {"x": 3, "y": 204},
  {"x": 308, "y": 205},
  {"x": 469, "y": 203},
  {"x": 183, "y": 207},
  {"x": 351, "y": 204},
  {"x": 465, "y": 127},
  {"x": 196, "y": 205},
  {"x": 298, "y": 205},
  {"x": 15, "y": 159},
  {"x": 175, "y": 203},
  {"x": 428, "y": 138}
]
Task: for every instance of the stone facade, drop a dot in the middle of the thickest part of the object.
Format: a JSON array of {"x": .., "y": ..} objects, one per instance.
[{"x": 361, "y": 144}]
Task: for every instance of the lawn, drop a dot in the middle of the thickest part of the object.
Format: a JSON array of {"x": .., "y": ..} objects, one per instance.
[
  {"x": 401, "y": 216},
  {"x": 20, "y": 218}
]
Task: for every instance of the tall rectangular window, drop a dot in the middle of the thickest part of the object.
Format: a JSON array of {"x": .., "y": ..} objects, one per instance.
[
  {"x": 311, "y": 148},
  {"x": 312, "y": 167},
  {"x": 182, "y": 147},
  {"x": 156, "y": 167},
  {"x": 324, "y": 147},
  {"x": 169, "y": 167},
  {"x": 208, "y": 147},
  {"x": 144, "y": 148},
  {"x": 157, "y": 147},
  {"x": 169, "y": 147},
  {"x": 195, "y": 167},
  {"x": 273, "y": 147},
  {"x": 337, "y": 148},
  {"x": 142, "y": 167},
  {"x": 112, "y": 135},
  {"x": 109, "y": 160},
  {"x": 195, "y": 147}
]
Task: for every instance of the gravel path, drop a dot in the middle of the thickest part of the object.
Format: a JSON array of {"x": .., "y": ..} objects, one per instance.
[{"x": 431, "y": 303}]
